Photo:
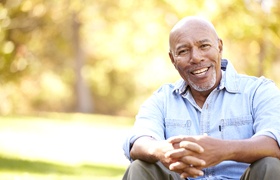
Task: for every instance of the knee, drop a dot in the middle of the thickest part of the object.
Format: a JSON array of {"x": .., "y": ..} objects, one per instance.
[
  {"x": 266, "y": 169},
  {"x": 135, "y": 169},
  {"x": 139, "y": 166},
  {"x": 269, "y": 164}
]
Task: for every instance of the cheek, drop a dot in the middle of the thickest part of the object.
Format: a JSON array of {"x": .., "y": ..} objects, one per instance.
[
  {"x": 180, "y": 66},
  {"x": 175, "y": 65},
  {"x": 182, "y": 70}
]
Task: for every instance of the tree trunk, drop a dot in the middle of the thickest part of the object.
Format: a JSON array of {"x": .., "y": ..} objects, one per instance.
[{"x": 84, "y": 102}]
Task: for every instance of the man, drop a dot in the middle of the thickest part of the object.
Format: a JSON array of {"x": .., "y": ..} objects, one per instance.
[{"x": 212, "y": 124}]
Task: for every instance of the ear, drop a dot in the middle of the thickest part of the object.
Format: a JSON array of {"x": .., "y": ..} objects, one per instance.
[
  {"x": 220, "y": 46},
  {"x": 172, "y": 58}
]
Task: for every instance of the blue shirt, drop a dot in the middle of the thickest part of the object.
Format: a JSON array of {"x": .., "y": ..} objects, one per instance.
[{"x": 239, "y": 108}]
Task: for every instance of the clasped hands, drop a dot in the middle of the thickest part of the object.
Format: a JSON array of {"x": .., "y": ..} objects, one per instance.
[{"x": 190, "y": 154}]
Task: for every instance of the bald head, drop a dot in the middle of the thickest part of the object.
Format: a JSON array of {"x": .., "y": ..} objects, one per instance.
[
  {"x": 191, "y": 23},
  {"x": 196, "y": 53}
]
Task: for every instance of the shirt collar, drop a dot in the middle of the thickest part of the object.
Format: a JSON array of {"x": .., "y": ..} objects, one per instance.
[
  {"x": 180, "y": 87},
  {"x": 229, "y": 81}
]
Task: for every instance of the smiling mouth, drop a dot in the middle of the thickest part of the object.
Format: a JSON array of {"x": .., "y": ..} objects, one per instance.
[{"x": 200, "y": 71}]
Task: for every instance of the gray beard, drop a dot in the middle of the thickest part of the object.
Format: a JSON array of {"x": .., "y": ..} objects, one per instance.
[{"x": 205, "y": 87}]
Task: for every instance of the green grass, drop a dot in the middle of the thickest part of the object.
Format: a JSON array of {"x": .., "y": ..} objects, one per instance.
[
  {"x": 19, "y": 167},
  {"x": 16, "y": 165}
]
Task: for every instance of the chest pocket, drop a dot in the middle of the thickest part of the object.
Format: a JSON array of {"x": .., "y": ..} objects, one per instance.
[
  {"x": 237, "y": 127},
  {"x": 174, "y": 127}
]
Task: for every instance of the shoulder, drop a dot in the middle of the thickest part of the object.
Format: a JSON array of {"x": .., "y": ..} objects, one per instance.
[
  {"x": 166, "y": 93},
  {"x": 247, "y": 82},
  {"x": 172, "y": 88},
  {"x": 236, "y": 82}
]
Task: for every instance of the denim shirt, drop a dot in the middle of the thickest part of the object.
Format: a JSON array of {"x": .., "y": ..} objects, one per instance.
[{"x": 239, "y": 108}]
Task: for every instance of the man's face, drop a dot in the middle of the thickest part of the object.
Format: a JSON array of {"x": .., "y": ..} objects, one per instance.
[{"x": 196, "y": 53}]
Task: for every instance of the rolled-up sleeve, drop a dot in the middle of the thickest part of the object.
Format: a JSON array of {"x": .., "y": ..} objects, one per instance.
[
  {"x": 272, "y": 133},
  {"x": 267, "y": 111},
  {"x": 149, "y": 122}
]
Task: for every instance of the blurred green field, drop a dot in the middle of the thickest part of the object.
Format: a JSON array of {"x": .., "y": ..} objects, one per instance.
[{"x": 59, "y": 146}]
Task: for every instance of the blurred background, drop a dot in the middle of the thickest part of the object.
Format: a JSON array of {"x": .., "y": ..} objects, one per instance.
[{"x": 74, "y": 73}]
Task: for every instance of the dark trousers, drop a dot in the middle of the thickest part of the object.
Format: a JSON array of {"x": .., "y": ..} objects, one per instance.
[{"x": 264, "y": 169}]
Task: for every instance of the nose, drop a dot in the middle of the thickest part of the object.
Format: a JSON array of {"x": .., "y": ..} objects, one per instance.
[{"x": 196, "y": 56}]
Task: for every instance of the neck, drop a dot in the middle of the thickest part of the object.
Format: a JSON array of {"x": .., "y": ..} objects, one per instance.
[{"x": 200, "y": 97}]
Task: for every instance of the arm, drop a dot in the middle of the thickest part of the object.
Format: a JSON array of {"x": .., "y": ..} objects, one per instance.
[
  {"x": 253, "y": 149},
  {"x": 147, "y": 149},
  {"x": 151, "y": 150},
  {"x": 217, "y": 150}
]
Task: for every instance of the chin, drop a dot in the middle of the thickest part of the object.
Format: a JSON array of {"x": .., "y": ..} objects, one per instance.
[{"x": 204, "y": 87}]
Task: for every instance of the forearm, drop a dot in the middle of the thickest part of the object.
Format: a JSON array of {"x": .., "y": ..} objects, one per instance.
[
  {"x": 252, "y": 149},
  {"x": 218, "y": 150},
  {"x": 144, "y": 149}
]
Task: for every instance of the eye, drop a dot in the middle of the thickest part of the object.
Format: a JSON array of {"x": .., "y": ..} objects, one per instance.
[
  {"x": 183, "y": 52},
  {"x": 205, "y": 46}
]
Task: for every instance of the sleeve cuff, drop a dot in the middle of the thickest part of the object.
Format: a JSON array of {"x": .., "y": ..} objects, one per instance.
[
  {"x": 129, "y": 142},
  {"x": 272, "y": 133}
]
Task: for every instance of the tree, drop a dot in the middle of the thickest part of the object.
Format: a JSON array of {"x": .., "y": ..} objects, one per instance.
[{"x": 67, "y": 55}]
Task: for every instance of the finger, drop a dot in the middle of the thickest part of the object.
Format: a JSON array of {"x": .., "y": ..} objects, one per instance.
[
  {"x": 194, "y": 161},
  {"x": 178, "y": 166},
  {"x": 185, "y": 175},
  {"x": 185, "y": 162},
  {"x": 191, "y": 172},
  {"x": 194, "y": 172},
  {"x": 177, "y": 153},
  {"x": 176, "y": 145},
  {"x": 181, "y": 152},
  {"x": 176, "y": 139},
  {"x": 191, "y": 146}
]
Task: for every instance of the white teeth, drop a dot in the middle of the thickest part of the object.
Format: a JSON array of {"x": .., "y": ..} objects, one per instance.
[{"x": 200, "y": 71}]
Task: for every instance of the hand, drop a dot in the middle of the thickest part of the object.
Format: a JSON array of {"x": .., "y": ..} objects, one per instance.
[
  {"x": 184, "y": 157},
  {"x": 160, "y": 149},
  {"x": 212, "y": 154},
  {"x": 151, "y": 150}
]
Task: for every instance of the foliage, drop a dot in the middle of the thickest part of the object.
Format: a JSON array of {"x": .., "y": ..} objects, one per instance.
[{"x": 123, "y": 48}]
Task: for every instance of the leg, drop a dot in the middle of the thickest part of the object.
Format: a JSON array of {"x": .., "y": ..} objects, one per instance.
[
  {"x": 139, "y": 170},
  {"x": 264, "y": 169}
]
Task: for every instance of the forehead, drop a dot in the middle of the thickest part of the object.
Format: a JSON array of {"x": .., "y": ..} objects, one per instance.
[
  {"x": 191, "y": 38},
  {"x": 192, "y": 33}
]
